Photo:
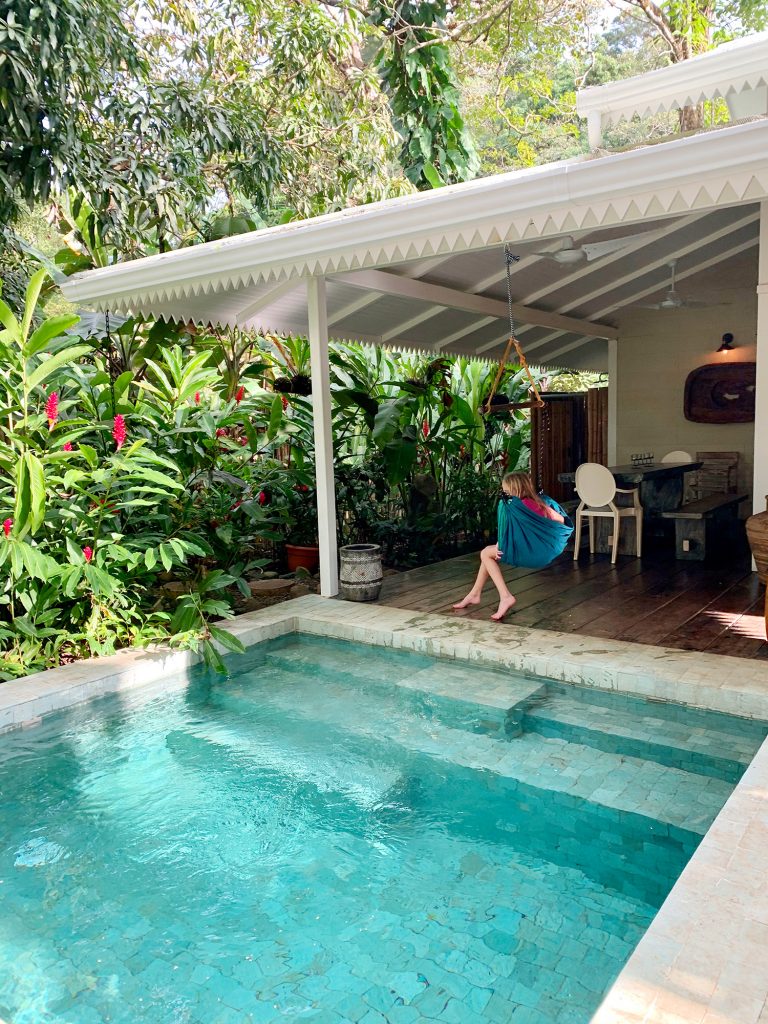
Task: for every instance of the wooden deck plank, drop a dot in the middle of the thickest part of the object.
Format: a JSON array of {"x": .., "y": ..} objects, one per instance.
[
  {"x": 666, "y": 619},
  {"x": 704, "y": 628}
]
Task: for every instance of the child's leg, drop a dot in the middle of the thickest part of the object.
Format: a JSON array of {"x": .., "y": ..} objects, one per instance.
[
  {"x": 506, "y": 599},
  {"x": 473, "y": 597}
]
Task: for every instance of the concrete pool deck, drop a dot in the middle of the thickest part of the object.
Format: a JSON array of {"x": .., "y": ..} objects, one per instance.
[{"x": 699, "y": 962}]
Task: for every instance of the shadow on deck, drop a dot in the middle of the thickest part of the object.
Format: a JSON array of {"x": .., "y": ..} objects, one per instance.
[{"x": 683, "y": 605}]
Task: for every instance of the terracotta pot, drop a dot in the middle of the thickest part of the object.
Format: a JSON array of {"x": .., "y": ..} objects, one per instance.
[
  {"x": 757, "y": 531},
  {"x": 300, "y": 556}
]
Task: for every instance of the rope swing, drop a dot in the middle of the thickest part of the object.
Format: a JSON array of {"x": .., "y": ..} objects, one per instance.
[{"x": 535, "y": 400}]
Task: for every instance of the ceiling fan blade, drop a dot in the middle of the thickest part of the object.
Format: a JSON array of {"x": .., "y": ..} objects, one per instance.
[{"x": 594, "y": 250}]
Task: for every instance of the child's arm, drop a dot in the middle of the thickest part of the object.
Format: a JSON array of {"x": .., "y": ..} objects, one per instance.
[{"x": 555, "y": 515}]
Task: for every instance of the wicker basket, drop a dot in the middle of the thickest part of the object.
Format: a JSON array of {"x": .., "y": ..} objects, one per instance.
[
  {"x": 360, "y": 574},
  {"x": 757, "y": 531}
]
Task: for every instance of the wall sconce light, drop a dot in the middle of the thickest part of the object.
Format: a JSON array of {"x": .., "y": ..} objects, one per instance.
[{"x": 727, "y": 343}]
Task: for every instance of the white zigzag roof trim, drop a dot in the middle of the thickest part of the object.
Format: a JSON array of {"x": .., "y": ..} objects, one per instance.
[
  {"x": 724, "y": 73},
  {"x": 697, "y": 173}
]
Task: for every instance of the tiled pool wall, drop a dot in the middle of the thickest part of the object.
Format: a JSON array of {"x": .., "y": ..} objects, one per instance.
[{"x": 699, "y": 961}]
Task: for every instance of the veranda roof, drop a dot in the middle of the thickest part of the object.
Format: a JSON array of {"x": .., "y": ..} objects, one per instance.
[{"x": 427, "y": 270}]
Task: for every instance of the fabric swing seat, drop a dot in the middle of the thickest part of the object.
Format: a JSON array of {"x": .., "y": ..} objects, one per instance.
[{"x": 527, "y": 539}]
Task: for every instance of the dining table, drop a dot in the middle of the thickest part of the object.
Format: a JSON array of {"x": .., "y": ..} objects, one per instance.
[{"x": 662, "y": 489}]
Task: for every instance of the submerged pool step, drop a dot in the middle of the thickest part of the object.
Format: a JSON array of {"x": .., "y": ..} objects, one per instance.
[
  {"x": 460, "y": 696},
  {"x": 718, "y": 752},
  {"x": 614, "y": 781}
]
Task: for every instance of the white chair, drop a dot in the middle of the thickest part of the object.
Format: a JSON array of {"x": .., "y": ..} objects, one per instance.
[
  {"x": 681, "y": 456},
  {"x": 678, "y": 456},
  {"x": 597, "y": 489}
]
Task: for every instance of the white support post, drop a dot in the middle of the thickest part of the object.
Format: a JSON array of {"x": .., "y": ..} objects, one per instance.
[
  {"x": 595, "y": 128},
  {"x": 613, "y": 400},
  {"x": 760, "y": 479},
  {"x": 321, "y": 415}
]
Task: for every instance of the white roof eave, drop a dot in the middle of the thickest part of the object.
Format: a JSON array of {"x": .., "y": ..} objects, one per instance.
[
  {"x": 700, "y": 172},
  {"x": 722, "y": 73}
]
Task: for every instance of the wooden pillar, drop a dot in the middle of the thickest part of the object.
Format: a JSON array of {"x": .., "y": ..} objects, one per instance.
[
  {"x": 613, "y": 401},
  {"x": 321, "y": 414},
  {"x": 760, "y": 479}
]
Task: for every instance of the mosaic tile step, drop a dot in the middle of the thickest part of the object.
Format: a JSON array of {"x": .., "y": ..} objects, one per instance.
[
  {"x": 719, "y": 753},
  {"x": 615, "y": 781},
  {"x": 499, "y": 689},
  {"x": 438, "y": 692},
  {"x": 660, "y": 708}
]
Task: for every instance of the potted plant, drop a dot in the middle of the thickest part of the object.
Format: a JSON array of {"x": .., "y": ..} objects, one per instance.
[{"x": 301, "y": 548}]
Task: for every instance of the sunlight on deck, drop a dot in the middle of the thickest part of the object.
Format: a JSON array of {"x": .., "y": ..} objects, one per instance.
[{"x": 752, "y": 626}]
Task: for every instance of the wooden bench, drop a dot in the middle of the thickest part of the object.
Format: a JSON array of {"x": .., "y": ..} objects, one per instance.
[{"x": 693, "y": 522}]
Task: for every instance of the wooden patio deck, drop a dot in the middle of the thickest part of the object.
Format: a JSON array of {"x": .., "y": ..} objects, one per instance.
[{"x": 684, "y": 605}]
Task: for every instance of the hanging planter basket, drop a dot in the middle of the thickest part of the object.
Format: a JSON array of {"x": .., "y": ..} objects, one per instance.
[{"x": 298, "y": 384}]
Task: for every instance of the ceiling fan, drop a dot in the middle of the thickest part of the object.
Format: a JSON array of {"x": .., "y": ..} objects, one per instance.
[
  {"x": 673, "y": 299},
  {"x": 569, "y": 252}
]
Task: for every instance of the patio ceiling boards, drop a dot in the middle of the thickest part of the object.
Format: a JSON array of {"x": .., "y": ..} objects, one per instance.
[{"x": 426, "y": 270}]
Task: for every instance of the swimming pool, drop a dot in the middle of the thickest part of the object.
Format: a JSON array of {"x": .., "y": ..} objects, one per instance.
[{"x": 334, "y": 834}]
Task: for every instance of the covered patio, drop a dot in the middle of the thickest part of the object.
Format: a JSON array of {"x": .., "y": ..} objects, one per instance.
[{"x": 595, "y": 236}]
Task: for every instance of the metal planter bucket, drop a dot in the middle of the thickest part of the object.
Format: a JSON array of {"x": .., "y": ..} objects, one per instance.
[{"x": 360, "y": 572}]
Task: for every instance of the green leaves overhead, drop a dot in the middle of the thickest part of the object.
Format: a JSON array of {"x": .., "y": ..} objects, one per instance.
[{"x": 423, "y": 91}]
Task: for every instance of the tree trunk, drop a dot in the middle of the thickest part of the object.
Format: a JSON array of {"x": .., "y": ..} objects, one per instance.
[{"x": 691, "y": 118}]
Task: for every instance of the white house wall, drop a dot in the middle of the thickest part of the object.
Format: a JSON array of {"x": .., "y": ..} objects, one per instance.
[{"x": 657, "y": 349}]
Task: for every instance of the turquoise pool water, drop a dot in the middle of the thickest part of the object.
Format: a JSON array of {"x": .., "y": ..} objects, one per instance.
[{"x": 319, "y": 839}]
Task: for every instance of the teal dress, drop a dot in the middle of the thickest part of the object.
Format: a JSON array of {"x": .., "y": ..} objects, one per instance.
[{"x": 527, "y": 539}]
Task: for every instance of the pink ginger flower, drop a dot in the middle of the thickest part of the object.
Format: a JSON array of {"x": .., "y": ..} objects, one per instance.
[
  {"x": 52, "y": 409},
  {"x": 87, "y": 553},
  {"x": 243, "y": 441},
  {"x": 67, "y": 446},
  {"x": 7, "y": 527},
  {"x": 239, "y": 394},
  {"x": 221, "y": 432},
  {"x": 197, "y": 398},
  {"x": 119, "y": 432}
]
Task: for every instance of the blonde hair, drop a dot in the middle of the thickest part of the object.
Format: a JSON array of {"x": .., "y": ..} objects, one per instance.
[{"x": 520, "y": 485}]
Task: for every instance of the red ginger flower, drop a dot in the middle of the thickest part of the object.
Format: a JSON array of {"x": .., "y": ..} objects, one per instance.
[
  {"x": 197, "y": 398},
  {"x": 87, "y": 553},
  {"x": 243, "y": 441},
  {"x": 52, "y": 409},
  {"x": 119, "y": 432},
  {"x": 425, "y": 428},
  {"x": 7, "y": 527},
  {"x": 284, "y": 401},
  {"x": 262, "y": 498},
  {"x": 239, "y": 394},
  {"x": 221, "y": 432},
  {"x": 67, "y": 446}
]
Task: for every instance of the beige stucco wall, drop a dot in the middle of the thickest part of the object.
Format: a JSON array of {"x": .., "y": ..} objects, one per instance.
[{"x": 657, "y": 350}]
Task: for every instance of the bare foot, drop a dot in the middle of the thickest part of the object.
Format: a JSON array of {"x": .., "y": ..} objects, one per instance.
[
  {"x": 468, "y": 600},
  {"x": 505, "y": 605}
]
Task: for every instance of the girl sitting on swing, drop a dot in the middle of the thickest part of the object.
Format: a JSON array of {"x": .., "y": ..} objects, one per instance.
[{"x": 532, "y": 531}]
